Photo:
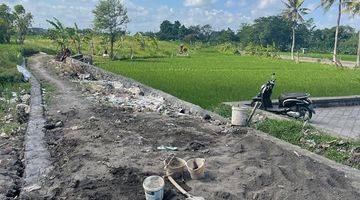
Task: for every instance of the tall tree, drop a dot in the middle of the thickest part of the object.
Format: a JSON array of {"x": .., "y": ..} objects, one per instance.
[
  {"x": 6, "y": 20},
  {"x": 327, "y": 4},
  {"x": 110, "y": 17},
  {"x": 353, "y": 7},
  {"x": 22, "y": 22},
  {"x": 294, "y": 11}
]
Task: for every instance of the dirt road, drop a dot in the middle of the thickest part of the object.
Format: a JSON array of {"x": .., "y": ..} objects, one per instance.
[{"x": 105, "y": 152}]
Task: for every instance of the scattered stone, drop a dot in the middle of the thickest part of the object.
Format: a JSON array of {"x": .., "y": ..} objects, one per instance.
[
  {"x": 195, "y": 146},
  {"x": 52, "y": 125},
  {"x": 207, "y": 117},
  {"x": 23, "y": 112},
  {"x": 25, "y": 99},
  {"x": 8, "y": 118},
  {"x": 58, "y": 124},
  {"x": 4, "y": 135},
  {"x": 135, "y": 90},
  {"x": 117, "y": 85},
  {"x": 32, "y": 188},
  {"x": 74, "y": 128},
  {"x": 86, "y": 76},
  {"x": 93, "y": 118},
  {"x": 355, "y": 150}
]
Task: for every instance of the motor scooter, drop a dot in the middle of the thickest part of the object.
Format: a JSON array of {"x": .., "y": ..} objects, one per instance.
[{"x": 296, "y": 105}]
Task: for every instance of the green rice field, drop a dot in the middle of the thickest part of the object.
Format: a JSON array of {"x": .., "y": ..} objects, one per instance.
[{"x": 208, "y": 77}]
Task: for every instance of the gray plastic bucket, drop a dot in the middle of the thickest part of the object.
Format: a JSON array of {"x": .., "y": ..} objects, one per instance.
[
  {"x": 154, "y": 188},
  {"x": 239, "y": 116}
]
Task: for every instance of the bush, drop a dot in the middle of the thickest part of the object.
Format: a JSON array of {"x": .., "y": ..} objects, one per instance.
[
  {"x": 227, "y": 48},
  {"x": 257, "y": 50},
  {"x": 29, "y": 51}
]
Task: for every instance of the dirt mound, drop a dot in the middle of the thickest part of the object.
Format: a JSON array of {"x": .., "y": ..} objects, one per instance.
[{"x": 106, "y": 151}]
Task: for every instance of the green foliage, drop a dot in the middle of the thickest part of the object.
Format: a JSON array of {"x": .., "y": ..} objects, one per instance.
[
  {"x": 59, "y": 34},
  {"x": 228, "y": 48},
  {"x": 14, "y": 23},
  {"x": 268, "y": 31},
  {"x": 110, "y": 17},
  {"x": 22, "y": 22},
  {"x": 223, "y": 110},
  {"x": 257, "y": 50},
  {"x": 6, "y": 20},
  {"x": 9, "y": 58},
  {"x": 334, "y": 148}
]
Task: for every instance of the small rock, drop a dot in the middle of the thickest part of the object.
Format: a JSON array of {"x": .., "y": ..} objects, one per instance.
[
  {"x": 4, "y": 135},
  {"x": 182, "y": 111},
  {"x": 117, "y": 85},
  {"x": 74, "y": 128},
  {"x": 8, "y": 118},
  {"x": 25, "y": 98},
  {"x": 58, "y": 124},
  {"x": 23, "y": 112},
  {"x": 135, "y": 90},
  {"x": 32, "y": 188},
  {"x": 206, "y": 117},
  {"x": 92, "y": 119},
  {"x": 52, "y": 125}
]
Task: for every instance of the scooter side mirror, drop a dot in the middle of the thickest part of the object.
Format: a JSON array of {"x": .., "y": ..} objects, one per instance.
[{"x": 273, "y": 76}]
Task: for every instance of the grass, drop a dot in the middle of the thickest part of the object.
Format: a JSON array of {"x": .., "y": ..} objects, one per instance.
[
  {"x": 309, "y": 138},
  {"x": 324, "y": 56},
  {"x": 208, "y": 78},
  {"x": 11, "y": 82},
  {"x": 48, "y": 91}
]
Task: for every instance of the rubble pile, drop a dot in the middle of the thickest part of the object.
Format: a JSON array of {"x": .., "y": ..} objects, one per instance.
[{"x": 12, "y": 130}]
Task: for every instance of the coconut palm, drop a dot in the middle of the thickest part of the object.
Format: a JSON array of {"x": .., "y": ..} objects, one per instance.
[
  {"x": 294, "y": 12},
  {"x": 353, "y": 7},
  {"x": 327, "y": 4}
]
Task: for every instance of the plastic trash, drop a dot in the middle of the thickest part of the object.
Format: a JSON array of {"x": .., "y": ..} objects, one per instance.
[{"x": 26, "y": 74}]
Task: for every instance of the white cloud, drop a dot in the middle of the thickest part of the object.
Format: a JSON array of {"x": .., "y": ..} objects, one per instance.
[
  {"x": 196, "y": 3},
  {"x": 266, "y": 3}
]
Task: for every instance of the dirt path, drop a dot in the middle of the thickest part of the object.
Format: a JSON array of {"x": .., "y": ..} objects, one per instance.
[
  {"x": 344, "y": 63},
  {"x": 105, "y": 152}
]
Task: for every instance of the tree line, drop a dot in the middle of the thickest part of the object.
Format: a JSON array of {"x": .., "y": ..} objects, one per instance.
[
  {"x": 14, "y": 22},
  {"x": 286, "y": 31}
]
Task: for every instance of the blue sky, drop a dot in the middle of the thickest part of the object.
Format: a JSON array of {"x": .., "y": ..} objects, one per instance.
[{"x": 146, "y": 15}]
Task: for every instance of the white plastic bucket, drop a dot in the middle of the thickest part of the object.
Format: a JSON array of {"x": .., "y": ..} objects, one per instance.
[
  {"x": 239, "y": 116},
  {"x": 154, "y": 188},
  {"x": 196, "y": 168}
]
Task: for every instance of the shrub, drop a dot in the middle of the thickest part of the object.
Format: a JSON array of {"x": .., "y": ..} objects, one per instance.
[{"x": 257, "y": 50}]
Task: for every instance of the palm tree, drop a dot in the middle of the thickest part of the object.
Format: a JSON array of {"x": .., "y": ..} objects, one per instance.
[
  {"x": 294, "y": 12},
  {"x": 353, "y": 7},
  {"x": 327, "y": 4}
]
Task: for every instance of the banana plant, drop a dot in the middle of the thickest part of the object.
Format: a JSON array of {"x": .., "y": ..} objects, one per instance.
[
  {"x": 75, "y": 37},
  {"x": 59, "y": 33}
]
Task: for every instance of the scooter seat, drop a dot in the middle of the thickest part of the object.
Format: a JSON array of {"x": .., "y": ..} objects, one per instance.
[{"x": 285, "y": 96}]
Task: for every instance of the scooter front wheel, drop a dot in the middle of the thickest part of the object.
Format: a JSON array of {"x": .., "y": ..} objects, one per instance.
[{"x": 305, "y": 113}]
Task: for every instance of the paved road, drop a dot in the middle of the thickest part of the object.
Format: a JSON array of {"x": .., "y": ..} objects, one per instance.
[{"x": 343, "y": 121}]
